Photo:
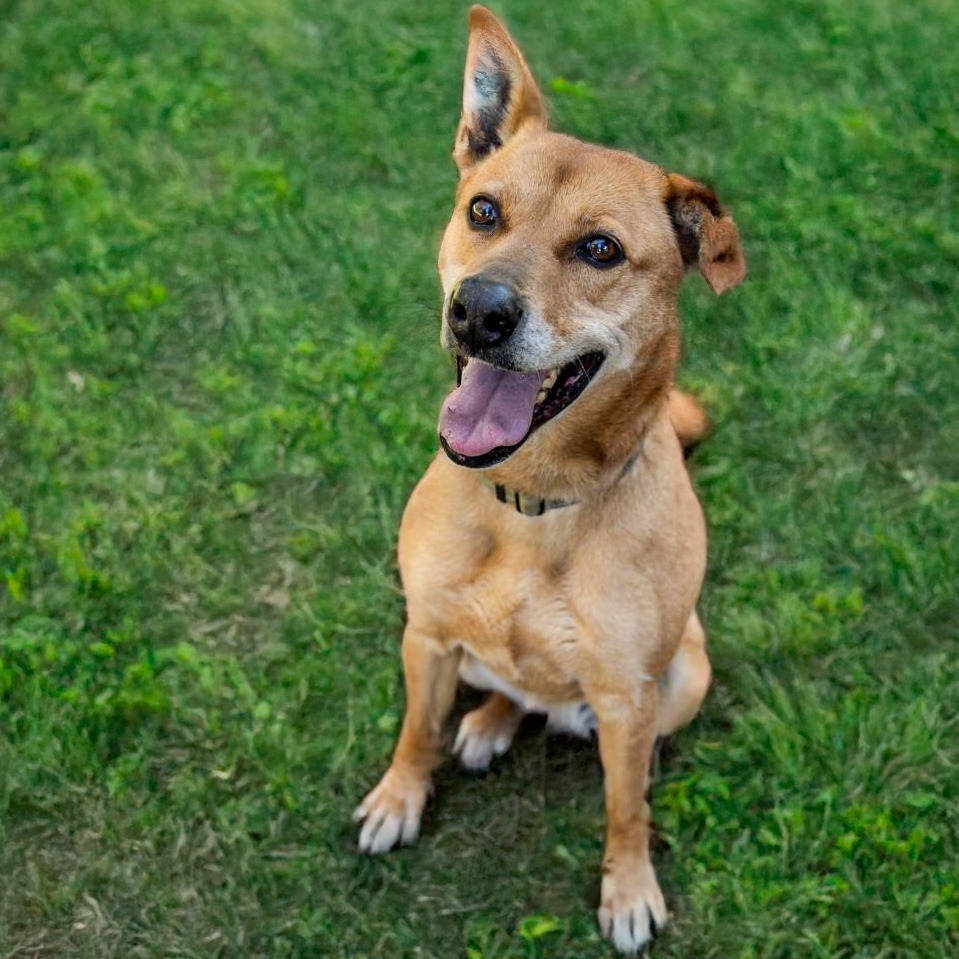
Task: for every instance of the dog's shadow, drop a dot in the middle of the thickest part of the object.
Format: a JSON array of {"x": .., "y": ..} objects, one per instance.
[{"x": 556, "y": 775}]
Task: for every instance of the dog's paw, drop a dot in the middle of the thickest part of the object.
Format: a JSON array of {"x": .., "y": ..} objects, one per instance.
[
  {"x": 632, "y": 909},
  {"x": 391, "y": 812},
  {"x": 483, "y": 734},
  {"x": 575, "y": 719}
]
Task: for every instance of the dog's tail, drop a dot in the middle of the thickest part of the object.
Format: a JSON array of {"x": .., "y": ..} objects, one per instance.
[{"x": 689, "y": 419}]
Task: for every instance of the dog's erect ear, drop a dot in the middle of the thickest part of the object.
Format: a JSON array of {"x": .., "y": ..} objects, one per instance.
[
  {"x": 499, "y": 93},
  {"x": 707, "y": 236}
]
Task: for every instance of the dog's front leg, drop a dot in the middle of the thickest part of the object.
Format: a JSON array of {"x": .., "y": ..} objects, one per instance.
[
  {"x": 391, "y": 812},
  {"x": 631, "y": 904}
]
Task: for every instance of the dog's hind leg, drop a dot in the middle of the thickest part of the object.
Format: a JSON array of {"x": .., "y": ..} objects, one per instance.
[
  {"x": 683, "y": 686},
  {"x": 487, "y": 732}
]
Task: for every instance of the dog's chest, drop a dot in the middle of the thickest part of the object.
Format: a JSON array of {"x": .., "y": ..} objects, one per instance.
[
  {"x": 477, "y": 674},
  {"x": 517, "y": 626}
]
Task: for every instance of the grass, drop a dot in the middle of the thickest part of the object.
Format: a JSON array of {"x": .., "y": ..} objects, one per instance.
[{"x": 218, "y": 382}]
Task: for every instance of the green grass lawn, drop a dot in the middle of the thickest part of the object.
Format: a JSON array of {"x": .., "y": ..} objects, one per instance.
[{"x": 219, "y": 380}]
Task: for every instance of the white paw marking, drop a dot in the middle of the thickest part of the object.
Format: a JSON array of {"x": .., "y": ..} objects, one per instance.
[
  {"x": 574, "y": 719},
  {"x": 391, "y": 813},
  {"x": 631, "y": 919},
  {"x": 476, "y": 745}
]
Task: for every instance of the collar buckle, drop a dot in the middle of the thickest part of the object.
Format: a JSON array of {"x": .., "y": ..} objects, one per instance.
[{"x": 530, "y": 505}]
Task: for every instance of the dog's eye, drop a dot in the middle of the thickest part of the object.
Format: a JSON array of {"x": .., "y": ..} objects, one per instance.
[
  {"x": 483, "y": 212},
  {"x": 601, "y": 250}
]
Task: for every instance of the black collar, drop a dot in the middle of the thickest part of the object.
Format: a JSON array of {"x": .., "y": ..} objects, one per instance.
[
  {"x": 529, "y": 505},
  {"x": 534, "y": 506}
]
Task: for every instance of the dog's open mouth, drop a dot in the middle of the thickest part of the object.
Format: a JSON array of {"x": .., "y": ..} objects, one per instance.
[{"x": 493, "y": 411}]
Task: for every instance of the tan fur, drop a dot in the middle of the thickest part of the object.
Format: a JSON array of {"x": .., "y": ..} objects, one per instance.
[
  {"x": 688, "y": 418},
  {"x": 589, "y": 603}
]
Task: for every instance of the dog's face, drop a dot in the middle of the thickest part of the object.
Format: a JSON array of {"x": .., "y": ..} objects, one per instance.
[
  {"x": 562, "y": 261},
  {"x": 576, "y": 242}
]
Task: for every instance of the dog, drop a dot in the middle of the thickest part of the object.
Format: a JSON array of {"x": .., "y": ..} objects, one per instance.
[{"x": 554, "y": 551}]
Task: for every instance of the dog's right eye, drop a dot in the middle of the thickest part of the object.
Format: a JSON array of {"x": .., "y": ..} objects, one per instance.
[{"x": 483, "y": 212}]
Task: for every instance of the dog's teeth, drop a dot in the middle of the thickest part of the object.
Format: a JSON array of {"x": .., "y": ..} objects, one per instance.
[{"x": 548, "y": 383}]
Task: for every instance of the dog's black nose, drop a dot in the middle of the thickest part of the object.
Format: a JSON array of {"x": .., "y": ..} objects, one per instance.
[{"x": 483, "y": 312}]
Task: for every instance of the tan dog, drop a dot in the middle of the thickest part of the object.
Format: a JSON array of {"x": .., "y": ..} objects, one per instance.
[{"x": 554, "y": 552}]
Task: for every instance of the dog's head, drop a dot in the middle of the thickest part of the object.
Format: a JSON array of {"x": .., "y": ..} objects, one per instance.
[{"x": 561, "y": 264}]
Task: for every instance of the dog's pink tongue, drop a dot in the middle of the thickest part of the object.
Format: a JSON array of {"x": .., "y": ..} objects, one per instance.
[{"x": 490, "y": 408}]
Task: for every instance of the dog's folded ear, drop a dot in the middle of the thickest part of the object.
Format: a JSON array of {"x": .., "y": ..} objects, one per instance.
[
  {"x": 499, "y": 93},
  {"x": 708, "y": 237}
]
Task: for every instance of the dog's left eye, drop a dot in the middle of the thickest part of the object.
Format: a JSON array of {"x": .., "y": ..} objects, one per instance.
[
  {"x": 483, "y": 212},
  {"x": 601, "y": 250}
]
